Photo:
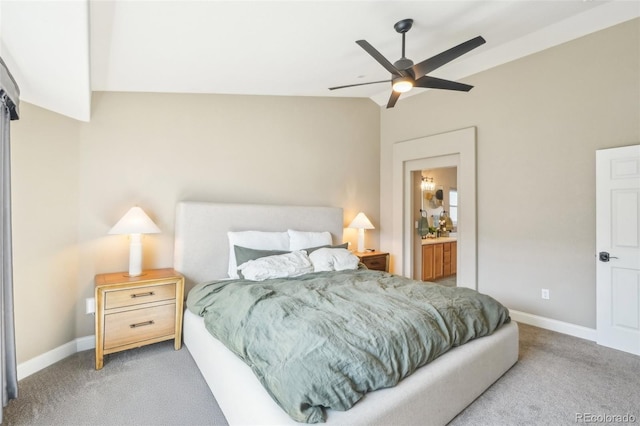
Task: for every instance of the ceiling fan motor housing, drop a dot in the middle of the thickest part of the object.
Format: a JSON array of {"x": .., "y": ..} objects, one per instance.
[{"x": 404, "y": 64}]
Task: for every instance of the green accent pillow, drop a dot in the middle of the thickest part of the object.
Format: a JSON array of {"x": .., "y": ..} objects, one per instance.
[
  {"x": 245, "y": 254},
  {"x": 312, "y": 249}
]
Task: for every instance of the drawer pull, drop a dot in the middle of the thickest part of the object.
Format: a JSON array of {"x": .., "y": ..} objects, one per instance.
[
  {"x": 148, "y": 293},
  {"x": 141, "y": 324}
]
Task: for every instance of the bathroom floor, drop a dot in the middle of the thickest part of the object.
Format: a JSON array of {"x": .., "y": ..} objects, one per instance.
[{"x": 449, "y": 281}]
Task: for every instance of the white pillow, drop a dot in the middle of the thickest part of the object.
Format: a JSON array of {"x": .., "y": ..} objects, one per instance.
[
  {"x": 333, "y": 259},
  {"x": 291, "y": 264},
  {"x": 255, "y": 240},
  {"x": 300, "y": 240}
]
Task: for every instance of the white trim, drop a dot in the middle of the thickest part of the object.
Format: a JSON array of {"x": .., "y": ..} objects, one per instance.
[
  {"x": 40, "y": 362},
  {"x": 463, "y": 144},
  {"x": 85, "y": 343},
  {"x": 554, "y": 325}
]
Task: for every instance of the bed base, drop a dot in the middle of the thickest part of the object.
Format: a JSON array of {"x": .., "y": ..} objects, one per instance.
[{"x": 433, "y": 395}]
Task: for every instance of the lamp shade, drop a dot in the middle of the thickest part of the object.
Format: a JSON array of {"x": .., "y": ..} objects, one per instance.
[
  {"x": 135, "y": 221},
  {"x": 361, "y": 222}
]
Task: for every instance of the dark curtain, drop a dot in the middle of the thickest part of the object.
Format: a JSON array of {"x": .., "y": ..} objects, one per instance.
[{"x": 9, "y": 95}]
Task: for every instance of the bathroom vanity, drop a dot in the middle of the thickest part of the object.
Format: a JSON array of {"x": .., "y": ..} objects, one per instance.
[{"x": 439, "y": 256}]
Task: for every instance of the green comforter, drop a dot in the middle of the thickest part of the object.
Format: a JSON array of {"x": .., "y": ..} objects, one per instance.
[{"x": 325, "y": 339}]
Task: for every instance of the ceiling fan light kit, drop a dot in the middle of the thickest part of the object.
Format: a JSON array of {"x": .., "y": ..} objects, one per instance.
[
  {"x": 405, "y": 75},
  {"x": 402, "y": 84}
]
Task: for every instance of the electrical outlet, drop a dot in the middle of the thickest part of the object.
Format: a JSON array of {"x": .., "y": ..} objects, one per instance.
[
  {"x": 545, "y": 293},
  {"x": 90, "y": 305}
]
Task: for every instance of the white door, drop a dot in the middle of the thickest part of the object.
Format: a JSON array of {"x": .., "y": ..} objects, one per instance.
[{"x": 618, "y": 247}]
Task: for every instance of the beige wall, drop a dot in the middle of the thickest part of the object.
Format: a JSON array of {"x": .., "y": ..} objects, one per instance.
[
  {"x": 154, "y": 150},
  {"x": 539, "y": 121},
  {"x": 44, "y": 177}
]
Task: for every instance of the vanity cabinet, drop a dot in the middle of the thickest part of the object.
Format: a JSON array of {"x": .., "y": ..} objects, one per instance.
[{"x": 439, "y": 260}]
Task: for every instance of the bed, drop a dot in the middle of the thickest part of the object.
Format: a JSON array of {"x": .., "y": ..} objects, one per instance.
[{"x": 433, "y": 394}]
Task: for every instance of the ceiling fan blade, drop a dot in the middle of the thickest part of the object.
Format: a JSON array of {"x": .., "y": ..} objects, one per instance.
[
  {"x": 438, "y": 83},
  {"x": 381, "y": 59},
  {"x": 393, "y": 99},
  {"x": 359, "y": 84},
  {"x": 435, "y": 62}
]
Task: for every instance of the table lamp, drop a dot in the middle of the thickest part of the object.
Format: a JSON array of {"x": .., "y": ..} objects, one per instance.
[
  {"x": 135, "y": 223},
  {"x": 361, "y": 222}
]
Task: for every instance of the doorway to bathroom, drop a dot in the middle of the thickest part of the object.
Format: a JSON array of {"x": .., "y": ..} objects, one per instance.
[
  {"x": 451, "y": 149},
  {"x": 435, "y": 215}
]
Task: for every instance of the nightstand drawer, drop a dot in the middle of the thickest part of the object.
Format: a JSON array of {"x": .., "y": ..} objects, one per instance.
[
  {"x": 378, "y": 263},
  {"x": 138, "y": 325},
  {"x": 139, "y": 295}
]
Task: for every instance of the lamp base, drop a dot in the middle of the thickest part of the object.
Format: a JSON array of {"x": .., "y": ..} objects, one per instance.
[
  {"x": 361, "y": 240},
  {"x": 135, "y": 255},
  {"x": 134, "y": 276}
]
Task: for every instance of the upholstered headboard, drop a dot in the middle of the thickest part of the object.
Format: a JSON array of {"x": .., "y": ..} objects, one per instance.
[{"x": 201, "y": 251}]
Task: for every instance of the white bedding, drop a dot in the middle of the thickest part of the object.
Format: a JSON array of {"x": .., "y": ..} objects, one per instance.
[{"x": 285, "y": 265}]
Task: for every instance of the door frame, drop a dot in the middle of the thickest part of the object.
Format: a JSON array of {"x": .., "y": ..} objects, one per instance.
[{"x": 460, "y": 144}]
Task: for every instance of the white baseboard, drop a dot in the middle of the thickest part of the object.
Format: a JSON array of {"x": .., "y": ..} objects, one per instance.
[
  {"x": 36, "y": 364},
  {"x": 554, "y": 325}
]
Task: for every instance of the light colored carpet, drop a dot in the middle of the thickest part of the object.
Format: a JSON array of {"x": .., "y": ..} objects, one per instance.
[
  {"x": 556, "y": 378},
  {"x": 152, "y": 385}
]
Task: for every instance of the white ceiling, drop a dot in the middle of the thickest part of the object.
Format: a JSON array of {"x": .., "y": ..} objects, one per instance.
[{"x": 61, "y": 51}]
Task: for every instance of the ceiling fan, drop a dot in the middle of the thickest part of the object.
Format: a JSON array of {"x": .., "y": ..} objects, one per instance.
[{"x": 405, "y": 75}]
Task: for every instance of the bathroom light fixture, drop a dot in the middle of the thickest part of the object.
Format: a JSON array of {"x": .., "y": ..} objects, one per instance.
[
  {"x": 361, "y": 222},
  {"x": 427, "y": 184},
  {"x": 135, "y": 223}
]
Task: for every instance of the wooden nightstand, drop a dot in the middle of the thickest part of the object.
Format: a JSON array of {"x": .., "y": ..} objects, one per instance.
[
  {"x": 137, "y": 311},
  {"x": 376, "y": 260}
]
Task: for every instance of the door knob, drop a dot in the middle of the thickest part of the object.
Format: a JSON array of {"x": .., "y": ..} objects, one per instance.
[{"x": 605, "y": 257}]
